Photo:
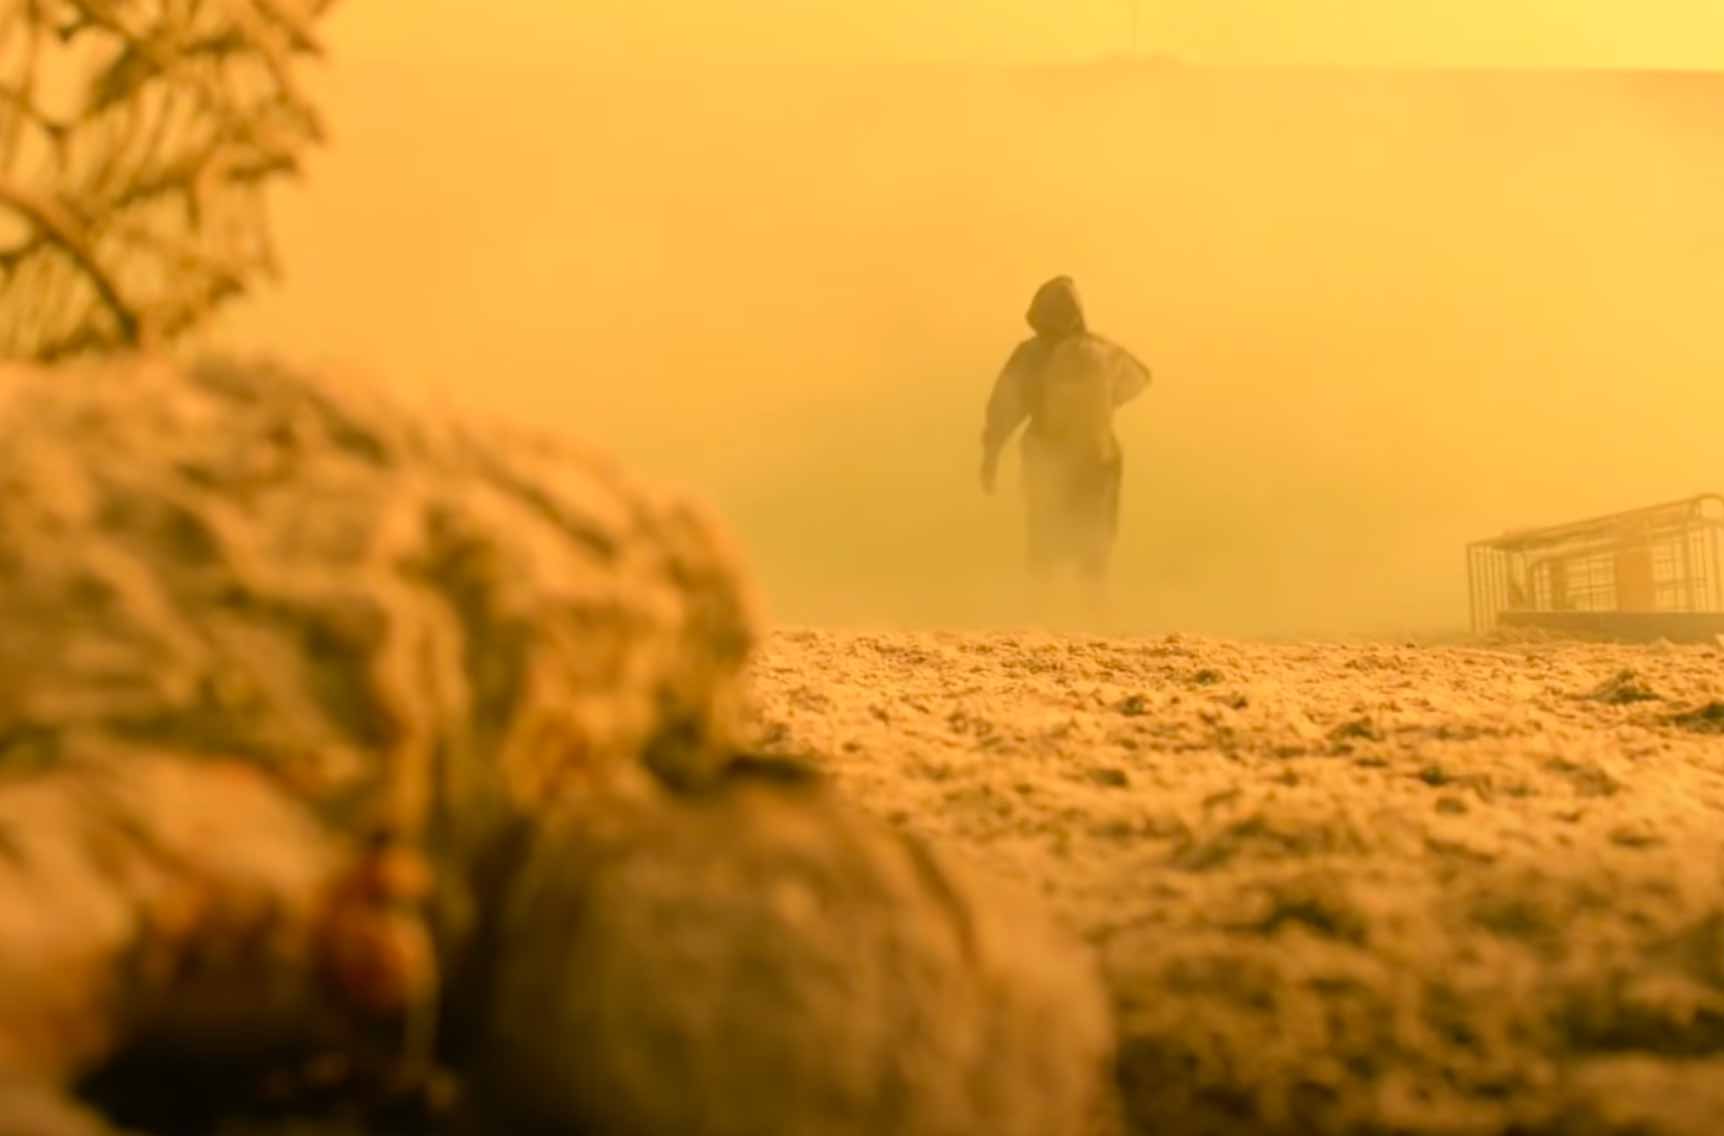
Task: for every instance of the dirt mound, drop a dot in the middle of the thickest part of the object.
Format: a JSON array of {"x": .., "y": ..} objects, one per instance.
[
  {"x": 340, "y": 745},
  {"x": 790, "y": 969}
]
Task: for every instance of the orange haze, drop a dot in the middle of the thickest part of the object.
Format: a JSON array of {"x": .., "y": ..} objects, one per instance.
[{"x": 1389, "y": 311}]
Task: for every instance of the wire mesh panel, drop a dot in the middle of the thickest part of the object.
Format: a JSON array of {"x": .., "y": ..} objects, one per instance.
[{"x": 1664, "y": 559}]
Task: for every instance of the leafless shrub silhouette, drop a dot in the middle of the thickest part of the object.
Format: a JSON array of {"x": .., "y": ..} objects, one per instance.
[{"x": 137, "y": 138}]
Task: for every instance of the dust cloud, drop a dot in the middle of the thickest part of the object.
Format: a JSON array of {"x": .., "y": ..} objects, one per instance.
[{"x": 1388, "y": 312}]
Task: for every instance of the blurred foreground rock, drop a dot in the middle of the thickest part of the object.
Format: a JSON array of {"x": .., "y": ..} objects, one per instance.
[{"x": 370, "y": 771}]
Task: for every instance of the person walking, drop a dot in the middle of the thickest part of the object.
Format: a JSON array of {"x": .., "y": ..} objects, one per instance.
[{"x": 1066, "y": 382}]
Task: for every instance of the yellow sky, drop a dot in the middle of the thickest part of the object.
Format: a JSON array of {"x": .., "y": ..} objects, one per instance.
[{"x": 1529, "y": 33}]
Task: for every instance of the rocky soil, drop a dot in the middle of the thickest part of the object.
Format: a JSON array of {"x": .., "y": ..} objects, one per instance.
[{"x": 1335, "y": 887}]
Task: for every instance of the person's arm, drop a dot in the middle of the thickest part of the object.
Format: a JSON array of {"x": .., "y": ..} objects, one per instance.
[
  {"x": 1007, "y": 408},
  {"x": 1130, "y": 377}
]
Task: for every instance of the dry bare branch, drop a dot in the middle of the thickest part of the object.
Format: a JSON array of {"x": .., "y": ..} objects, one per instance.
[{"x": 138, "y": 139}]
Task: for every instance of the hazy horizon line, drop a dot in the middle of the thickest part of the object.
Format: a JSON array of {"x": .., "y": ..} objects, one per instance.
[{"x": 598, "y": 63}]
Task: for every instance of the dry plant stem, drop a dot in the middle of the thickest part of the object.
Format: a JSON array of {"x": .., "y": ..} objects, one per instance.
[{"x": 137, "y": 141}]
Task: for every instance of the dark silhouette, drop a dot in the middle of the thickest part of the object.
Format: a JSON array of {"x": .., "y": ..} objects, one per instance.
[{"x": 1066, "y": 382}]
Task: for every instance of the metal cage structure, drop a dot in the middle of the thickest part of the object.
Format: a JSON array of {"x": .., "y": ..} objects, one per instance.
[{"x": 1649, "y": 573}]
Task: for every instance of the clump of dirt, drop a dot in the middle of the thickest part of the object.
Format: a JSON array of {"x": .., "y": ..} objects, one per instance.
[
  {"x": 1707, "y": 719},
  {"x": 1622, "y": 688}
]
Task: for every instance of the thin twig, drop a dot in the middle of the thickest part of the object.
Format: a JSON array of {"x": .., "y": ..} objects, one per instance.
[{"x": 67, "y": 236}]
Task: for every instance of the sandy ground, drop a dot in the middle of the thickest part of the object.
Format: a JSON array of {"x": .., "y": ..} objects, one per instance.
[{"x": 1335, "y": 887}]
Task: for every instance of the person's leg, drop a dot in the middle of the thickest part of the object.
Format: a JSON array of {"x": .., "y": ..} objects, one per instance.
[
  {"x": 1100, "y": 525},
  {"x": 1040, "y": 565},
  {"x": 1042, "y": 533},
  {"x": 1093, "y": 575}
]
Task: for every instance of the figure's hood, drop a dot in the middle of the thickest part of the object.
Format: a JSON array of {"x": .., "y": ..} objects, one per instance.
[{"x": 1056, "y": 309}]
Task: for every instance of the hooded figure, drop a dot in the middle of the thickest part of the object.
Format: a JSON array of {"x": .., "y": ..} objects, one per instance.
[{"x": 1067, "y": 382}]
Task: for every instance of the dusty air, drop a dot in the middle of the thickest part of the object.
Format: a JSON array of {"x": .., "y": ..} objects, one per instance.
[{"x": 696, "y": 569}]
